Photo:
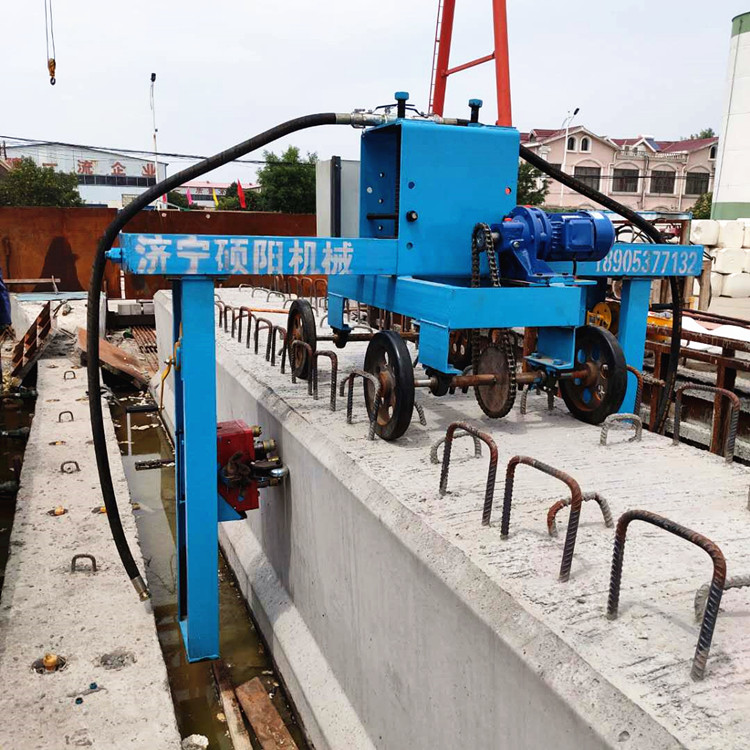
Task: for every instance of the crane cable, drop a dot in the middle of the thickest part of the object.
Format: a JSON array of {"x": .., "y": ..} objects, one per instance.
[{"x": 49, "y": 35}]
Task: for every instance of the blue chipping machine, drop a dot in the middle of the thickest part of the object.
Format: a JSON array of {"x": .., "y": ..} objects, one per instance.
[{"x": 442, "y": 242}]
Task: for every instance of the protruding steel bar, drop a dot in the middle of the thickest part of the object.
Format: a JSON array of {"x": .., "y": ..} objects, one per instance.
[
  {"x": 275, "y": 293},
  {"x": 734, "y": 421},
  {"x": 272, "y": 339},
  {"x": 236, "y": 312},
  {"x": 377, "y": 385},
  {"x": 576, "y": 498},
  {"x": 313, "y": 363},
  {"x": 638, "y": 389},
  {"x": 634, "y": 419},
  {"x": 218, "y": 303},
  {"x": 491, "y": 474},
  {"x": 716, "y": 588},
  {"x": 291, "y": 279},
  {"x": 226, "y": 319},
  {"x": 259, "y": 289},
  {"x": 436, "y": 446},
  {"x": 560, "y": 504},
  {"x": 525, "y": 398},
  {"x": 334, "y": 374},
  {"x": 701, "y": 595},
  {"x": 302, "y": 281},
  {"x": 244, "y": 311},
  {"x": 420, "y": 412},
  {"x": 267, "y": 325},
  {"x": 65, "y": 411},
  {"x": 74, "y": 464}
]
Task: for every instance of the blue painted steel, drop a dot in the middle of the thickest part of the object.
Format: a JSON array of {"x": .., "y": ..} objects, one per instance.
[
  {"x": 556, "y": 349},
  {"x": 227, "y": 255},
  {"x": 197, "y": 519},
  {"x": 635, "y": 259},
  {"x": 439, "y": 306},
  {"x": 632, "y": 330},
  {"x": 449, "y": 178},
  {"x": 528, "y": 238}
]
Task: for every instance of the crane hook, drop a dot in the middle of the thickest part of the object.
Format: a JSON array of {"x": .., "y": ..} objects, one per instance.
[{"x": 51, "y": 65}]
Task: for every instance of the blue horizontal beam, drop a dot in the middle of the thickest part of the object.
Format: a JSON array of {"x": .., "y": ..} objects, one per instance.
[
  {"x": 229, "y": 255},
  {"x": 457, "y": 307},
  {"x": 639, "y": 259}
]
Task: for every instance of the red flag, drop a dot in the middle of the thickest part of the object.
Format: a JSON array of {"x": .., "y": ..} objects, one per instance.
[
  {"x": 241, "y": 195},
  {"x": 189, "y": 197},
  {"x": 164, "y": 198}
]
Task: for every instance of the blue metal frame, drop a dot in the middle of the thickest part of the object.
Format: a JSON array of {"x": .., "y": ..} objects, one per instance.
[{"x": 424, "y": 186}]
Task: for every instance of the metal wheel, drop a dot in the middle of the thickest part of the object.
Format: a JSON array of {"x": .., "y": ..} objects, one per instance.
[
  {"x": 388, "y": 359},
  {"x": 301, "y": 326},
  {"x": 459, "y": 349},
  {"x": 593, "y": 398},
  {"x": 498, "y": 399}
]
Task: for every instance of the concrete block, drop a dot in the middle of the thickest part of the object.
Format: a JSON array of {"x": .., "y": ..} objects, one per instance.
[
  {"x": 736, "y": 285},
  {"x": 704, "y": 232},
  {"x": 729, "y": 260},
  {"x": 731, "y": 233}
]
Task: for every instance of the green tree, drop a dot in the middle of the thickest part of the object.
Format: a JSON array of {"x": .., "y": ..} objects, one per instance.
[
  {"x": 533, "y": 186},
  {"x": 287, "y": 182},
  {"x": 705, "y": 133},
  {"x": 178, "y": 199},
  {"x": 230, "y": 201},
  {"x": 29, "y": 185},
  {"x": 702, "y": 207}
]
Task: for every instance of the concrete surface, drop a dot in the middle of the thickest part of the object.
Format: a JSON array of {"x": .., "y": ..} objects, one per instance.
[
  {"x": 69, "y": 314},
  {"x": 83, "y": 616},
  {"x": 440, "y": 633}
]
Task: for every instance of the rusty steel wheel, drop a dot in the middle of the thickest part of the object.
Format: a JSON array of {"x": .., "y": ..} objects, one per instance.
[
  {"x": 300, "y": 326},
  {"x": 594, "y": 397},
  {"x": 388, "y": 359},
  {"x": 496, "y": 400}
]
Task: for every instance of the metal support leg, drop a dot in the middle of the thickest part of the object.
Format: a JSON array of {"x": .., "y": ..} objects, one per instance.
[
  {"x": 632, "y": 333},
  {"x": 197, "y": 509}
]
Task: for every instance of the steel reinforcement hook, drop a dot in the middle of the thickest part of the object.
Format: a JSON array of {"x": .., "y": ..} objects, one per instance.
[
  {"x": 576, "y": 498},
  {"x": 489, "y": 490},
  {"x": 716, "y": 587}
]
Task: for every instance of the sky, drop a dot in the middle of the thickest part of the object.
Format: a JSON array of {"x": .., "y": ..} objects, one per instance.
[{"x": 229, "y": 69}]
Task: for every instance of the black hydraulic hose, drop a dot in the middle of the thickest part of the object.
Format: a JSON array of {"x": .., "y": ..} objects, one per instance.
[
  {"x": 654, "y": 235},
  {"x": 92, "y": 315}
]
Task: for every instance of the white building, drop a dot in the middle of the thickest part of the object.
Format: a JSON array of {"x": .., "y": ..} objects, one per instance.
[{"x": 105, "y": 178}]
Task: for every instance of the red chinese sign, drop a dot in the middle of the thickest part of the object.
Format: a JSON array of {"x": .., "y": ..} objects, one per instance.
[
  {"x": 118, "y": 168},
  {"x": 85, "y": 166},
  {"x": 149, "y": 170}
]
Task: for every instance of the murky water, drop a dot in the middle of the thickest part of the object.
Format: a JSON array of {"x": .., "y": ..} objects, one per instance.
[{"x": 142, "y": 437}]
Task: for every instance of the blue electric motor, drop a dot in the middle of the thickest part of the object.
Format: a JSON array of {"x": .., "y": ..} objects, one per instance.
[{"x": 528, "y": 238}]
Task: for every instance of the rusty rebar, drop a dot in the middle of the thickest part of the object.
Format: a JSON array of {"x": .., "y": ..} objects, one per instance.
[
  {"x": 267, "y": 325},
  {"x": 576, "y": 498},
  {"x": 420, "y": 412},
  {"x": 525, "y": 398},
  {"x": 638, "y": 389},
  {"x": 734, "y": 421},
  {"x": 311, "y": 373},
  {"x": 701, "y": 595},
  {"x": 302, "y": 281},
  {"x": 218, "y": 303},
  {"x": 436, "y": 446},
  {"x": 334, "y": 374},
  {"x": 282, "y": 333},
  {"x": 242, "y": 312},
  {"x": 560, "y": 504},
  {"x": 489, "y": 491},
  {"x": 226, "y": 319},
  {"x": 716, "y": 588},
  {"x": 377, "y": 385},
  {"x": 258, "y": 289},
  {"x": 634, "y": 419},
  {"x": 276, "y": 293},
  {"x": 317, "y": 283}
]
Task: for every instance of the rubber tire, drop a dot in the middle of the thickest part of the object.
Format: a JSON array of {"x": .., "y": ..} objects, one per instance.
[
  {"x": 613, "y": 354},
  {"x": 302, "y": 308},
  {"x": 400, "y": 361}
]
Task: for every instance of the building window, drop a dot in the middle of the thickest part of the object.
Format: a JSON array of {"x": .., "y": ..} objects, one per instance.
[
  {"x": 118, "y": 180},
  {"x": 588, "y": 175},
  {"x": 696, "y": 183},
  {"x": 712, "y": 152},
  {"x": 585, "y": 144},
  {"x": 571, "y": 143},
  {"x": 662, "y": 182},
  {"x": 625, "y": 181}
]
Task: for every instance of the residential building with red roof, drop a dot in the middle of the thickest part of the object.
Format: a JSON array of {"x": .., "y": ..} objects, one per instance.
[{"x": 643, "y": 173}]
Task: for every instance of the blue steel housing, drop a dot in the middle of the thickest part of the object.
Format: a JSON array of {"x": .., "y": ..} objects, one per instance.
[{"x": 424, "y": 187}]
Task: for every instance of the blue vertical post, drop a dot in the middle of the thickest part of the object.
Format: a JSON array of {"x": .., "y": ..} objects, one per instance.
[
  {"x": 632, "y": 331},
  {"x": 199, "y": 585},
  {"x": 179, "y": 450}
]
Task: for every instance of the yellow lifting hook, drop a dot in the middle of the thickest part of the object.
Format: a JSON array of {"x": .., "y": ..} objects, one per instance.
[{"x": 51, "y": 65}]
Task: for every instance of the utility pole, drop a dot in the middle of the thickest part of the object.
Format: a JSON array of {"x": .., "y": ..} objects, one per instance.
[
  {"x": 566, "y": 125},
  {"x": 153, "y": 117}
]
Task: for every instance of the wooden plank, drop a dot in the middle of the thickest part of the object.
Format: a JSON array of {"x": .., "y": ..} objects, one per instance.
[
  {"x": 48, "y": 280},
  {"x": 116, "y": 360},
  {"x": 236, "y": 726},
  {"x": 263, "y": 717}
]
